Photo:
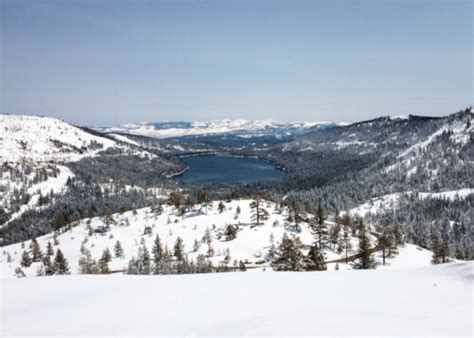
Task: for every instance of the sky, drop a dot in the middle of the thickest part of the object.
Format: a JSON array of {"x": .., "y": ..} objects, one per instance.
[{"x": 107, "y": 62}]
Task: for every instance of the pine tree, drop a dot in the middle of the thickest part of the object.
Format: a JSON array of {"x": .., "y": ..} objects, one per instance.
[
  {"x": 207, "y": 236},
  {"x": 231, "y": 232},
  {"x": 196, "y": 246},
  {"x": 88, "y": 265},
  {"x": 459, "y": 252},
  {"x": 289, "y": 255},
  {"x": 398, "y": 235},
  {"x": 365, "y": 260},
  {"x": 104, "y": 262},
  {"x": 175, "y": 199},
  {"x": 49, "y": 269},
  {"x": 36, "y": 250},
  {"x": 221, "y": 207},
  {"x": 144, "y": 260},
  {"x": 385, "y": 242},
  {"x": 158, "y": 209},
  {"x": 319, "y": 228},
  {"x": 333, "y": 236},
  {"x": 272, "y": 250},
  {"x": 107, "y": 255},
  {"x": 210, "y": 249},
  {"x": 25, "y": 259},
  {"x": 346, "y": 242},
  {"x": 118, "y": 250},
  {"x": 204, "y": 199},
  {"x": 61, "y": 266},
  {"x": 133, "y": 267},
  {"x": 179, "y": 249},
  {"x": 440, "y": 249},
  {"x": 315, "y": 259},
  {"x": 157, "y": 250},
  {"x": 55, "y": 238},
  {"x": 294, "y": 214},
  {"x": 258, "y": 212},
  {"x": 237, "y": 212}
]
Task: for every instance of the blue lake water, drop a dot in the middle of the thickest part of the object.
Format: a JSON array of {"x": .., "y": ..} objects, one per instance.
[{"x": 228, "y": 169}]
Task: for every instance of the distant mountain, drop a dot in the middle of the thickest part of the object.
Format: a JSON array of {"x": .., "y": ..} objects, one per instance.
[
  {"x": 417, "y": 150},
  {"x": 222, "y": 131}
]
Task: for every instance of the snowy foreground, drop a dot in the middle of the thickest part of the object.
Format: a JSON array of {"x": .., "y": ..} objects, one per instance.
[{"x": 435, "y": 300}]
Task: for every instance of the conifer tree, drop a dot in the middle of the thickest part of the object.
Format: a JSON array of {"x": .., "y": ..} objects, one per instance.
[
  {"x": 258, "y": 212},
  {"x": 189, "y": 203},
  {"x": 157, "y": 250},
  {"x": 315, "y": 259},
  {"x": 25, "y": 259},
  {"x": 210, "y": 249},
  {"x": 144, "y": 260},
  {"x": 88, "y": 265},
  {"x": 179, "y": 249},
  {"x": 289, "y": 255},
  {"x": 48, "y": 266},
  {"x": 319, "y": 228},
  {"x": 207, "y": 236},
  {"x": 104, "y": 262},
  {"x": 440, "y": 249},
  {"x": 231, "y": 232},
  {"x": 346, "y": 241},
  {"x": 221, "y": 207},
  {"x": 333, "y": 235},
  {"x": 385, "y": 242},
  {"x": 196, "y": 246},
  {"x": 294, "y": 214},
  {"x": 175, "y": 199},
  {"x": 398, "y": 235},
  {"x": 36, "y": 250},
  {"x": 61, "y": 266},
  {"x": 107, "y": 255},
  {"x": 118, "y": 250},
  {"x": 459, "y": 254},
  {"x": 272, "y": 249},
  {"x": 365, "y": 260},
  {"x": 204, "y": 199}
]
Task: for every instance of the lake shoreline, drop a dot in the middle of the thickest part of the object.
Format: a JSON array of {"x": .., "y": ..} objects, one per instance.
[
  {"x": 228, "y": 154},
  {"x": 216, "y": 160}
]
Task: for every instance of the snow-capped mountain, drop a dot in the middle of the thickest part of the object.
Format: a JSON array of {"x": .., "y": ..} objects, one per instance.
[
  {"x": 238, "y": 129},
  {"x": 46, "y": 139}
]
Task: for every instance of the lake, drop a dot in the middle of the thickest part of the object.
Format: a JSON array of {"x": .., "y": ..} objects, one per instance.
[{"x": 228, "y": 169}]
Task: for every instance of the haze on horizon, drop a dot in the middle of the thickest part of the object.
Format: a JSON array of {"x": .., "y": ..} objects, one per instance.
[{"x": 102, "y": 63}]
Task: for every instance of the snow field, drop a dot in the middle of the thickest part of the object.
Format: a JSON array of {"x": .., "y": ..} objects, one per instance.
[{"x": 432, "y": 301}]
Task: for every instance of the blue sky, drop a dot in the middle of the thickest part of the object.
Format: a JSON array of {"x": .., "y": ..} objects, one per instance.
[{"x": 107, "y": 62}]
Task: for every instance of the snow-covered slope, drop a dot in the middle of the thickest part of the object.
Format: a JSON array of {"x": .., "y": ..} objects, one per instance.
[
  {"x": 431, "y": 301},
  {"x": 46, "y": 139},
  {"x": 251, "y": 245},
  {"x": 391, "y": 201},
  {"x": 240, "y": 128}
]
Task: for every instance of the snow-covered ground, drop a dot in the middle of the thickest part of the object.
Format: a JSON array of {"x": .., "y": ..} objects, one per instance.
[
  {"x": 391, "y": 201},
  {"x": 431, "y": 301},
  {"x": 55, "y": 184},
  {"x": 46, "y": 139},
  {"x": 460, "y": 133},
  {"x": 251, "y": 245}
]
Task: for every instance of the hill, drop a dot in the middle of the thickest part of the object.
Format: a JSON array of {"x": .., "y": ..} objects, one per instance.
[{"x": 203, "y": 233}]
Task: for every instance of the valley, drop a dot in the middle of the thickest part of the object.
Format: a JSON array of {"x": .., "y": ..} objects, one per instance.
[{"x": 391, "y": 196}]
